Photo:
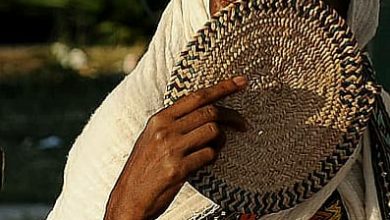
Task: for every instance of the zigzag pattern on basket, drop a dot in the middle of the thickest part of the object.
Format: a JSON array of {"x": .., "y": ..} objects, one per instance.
[{"x": 357, "y": 92}]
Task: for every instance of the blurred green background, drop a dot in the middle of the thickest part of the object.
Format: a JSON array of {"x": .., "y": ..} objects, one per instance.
[
  {"x": 80, "y": 22},
  {"x": 58, "y": 61},
  {"x": 380, "y": 46}
]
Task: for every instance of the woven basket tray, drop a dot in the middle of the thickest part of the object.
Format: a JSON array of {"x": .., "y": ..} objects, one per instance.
[{"x": 307, "y": 103}]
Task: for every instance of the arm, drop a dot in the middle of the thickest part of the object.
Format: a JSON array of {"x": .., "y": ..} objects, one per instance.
[
  {"x": 176, "y": 141},
  {"x": 100, "y": 153}
]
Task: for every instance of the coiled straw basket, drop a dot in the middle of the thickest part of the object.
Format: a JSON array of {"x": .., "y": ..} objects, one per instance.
[{"x": 309, "y": 99}]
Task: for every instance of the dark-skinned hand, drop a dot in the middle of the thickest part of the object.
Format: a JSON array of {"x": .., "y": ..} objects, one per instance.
[{"x": 176, "y": 141}]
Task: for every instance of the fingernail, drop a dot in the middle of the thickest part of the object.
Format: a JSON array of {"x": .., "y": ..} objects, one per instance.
[{"x": 240, "y": 81}]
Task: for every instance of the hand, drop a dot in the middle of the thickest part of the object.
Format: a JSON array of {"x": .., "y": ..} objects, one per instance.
[{"x": 176, "y": 141}]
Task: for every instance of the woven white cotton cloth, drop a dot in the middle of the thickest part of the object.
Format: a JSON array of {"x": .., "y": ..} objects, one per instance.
[
  {"x": 363, "y": 18},
  {"x": 101, "y": 151}
]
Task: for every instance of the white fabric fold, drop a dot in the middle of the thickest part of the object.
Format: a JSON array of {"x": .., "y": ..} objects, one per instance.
[
  {"x": 363, "y": 18},
  {"x": 100, "y": 152},
  {"x": 371, "y": 207}
]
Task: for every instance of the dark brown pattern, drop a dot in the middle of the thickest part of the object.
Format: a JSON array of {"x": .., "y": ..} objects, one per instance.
[
  {"x": 218, "y": 46},
  {"x": 380, "y": 143},
  {"x": 333, "y": 209}
]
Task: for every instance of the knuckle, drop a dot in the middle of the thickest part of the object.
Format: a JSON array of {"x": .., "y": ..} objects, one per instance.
[
  {"x": 155, "y": 120},
  {"x": 167, "y": 152},
  {"x": 231, "y": 84},
  {"x": 161, "y": 135},
  {"x": 211, "y": 112},
  {"x": 199, "y": 95},
  {"x": 227, "y": 85},
  {"x": 173, "y": 172},
  {"x": 170, "y": 172},
  {"x": 213, "y": 128},
  {"x": 159, "y": 120},
  {"x": 210, "y": 153}
]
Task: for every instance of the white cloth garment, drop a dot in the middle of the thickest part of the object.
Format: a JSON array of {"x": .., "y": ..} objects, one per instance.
[
  {"x": 363, "y": 18},
  {"x": 101, "y": 151}
]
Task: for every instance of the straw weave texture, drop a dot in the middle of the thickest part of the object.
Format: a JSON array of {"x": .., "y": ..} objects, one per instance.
[{"x": 308, "y": 101}]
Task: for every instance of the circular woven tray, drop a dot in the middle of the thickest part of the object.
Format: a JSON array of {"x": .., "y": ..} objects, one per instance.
[{"x": 308, "y": 100}]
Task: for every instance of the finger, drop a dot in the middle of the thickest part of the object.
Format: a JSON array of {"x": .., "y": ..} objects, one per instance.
[
  {"x": 211, "y": 113},
  {"x": 218, "y": 143},
  {"x": 197, "y": 118},
  {"x": 199, "y": 137},
  {"x": 206, "y": 96},
  {"x": 232, "y": 118},
  {"x": 199, "y": 159}
]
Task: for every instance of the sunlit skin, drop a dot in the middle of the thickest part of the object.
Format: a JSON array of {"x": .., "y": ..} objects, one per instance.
[{"x": 176, "y": 142}]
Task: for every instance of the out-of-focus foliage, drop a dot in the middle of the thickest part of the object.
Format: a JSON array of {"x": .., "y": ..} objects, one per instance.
[
  {"x": 43, "y": 3},
  {"x": 380, "y": 47},
  {"x": 82, "y": 22}
]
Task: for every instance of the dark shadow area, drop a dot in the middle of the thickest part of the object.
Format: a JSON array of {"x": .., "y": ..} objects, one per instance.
[
  {"x": 279, "y": 122},
  {"x": 41, "y": 115},
  {"x": 45, "y": 99},
  {"x": 380, "y": 46}
]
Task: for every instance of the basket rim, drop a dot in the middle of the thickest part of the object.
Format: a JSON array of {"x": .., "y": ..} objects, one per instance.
[{"x": 272, "y": 202}]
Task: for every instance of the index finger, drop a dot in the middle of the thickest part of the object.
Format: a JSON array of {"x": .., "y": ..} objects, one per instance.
[{"x": 206, "y": 96}]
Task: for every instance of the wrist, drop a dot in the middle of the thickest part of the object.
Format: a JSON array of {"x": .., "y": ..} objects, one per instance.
[
  {"x": 121, "y": 207},
  {"x": 122, "y": 213}
]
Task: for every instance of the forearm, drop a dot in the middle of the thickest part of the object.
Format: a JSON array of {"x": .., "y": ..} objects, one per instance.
[{"x": 99, "y": 153}]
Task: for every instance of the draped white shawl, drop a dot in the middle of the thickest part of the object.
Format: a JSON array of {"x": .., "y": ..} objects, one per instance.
[{"x": 101, "y": 151}]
